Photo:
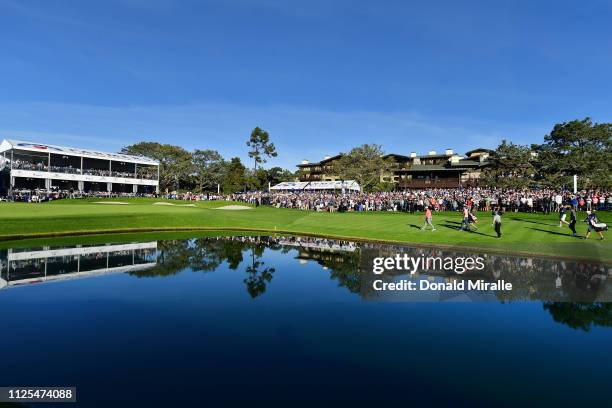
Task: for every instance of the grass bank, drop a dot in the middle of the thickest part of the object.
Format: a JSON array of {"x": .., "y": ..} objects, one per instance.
[{"x": 522, "y": 233}]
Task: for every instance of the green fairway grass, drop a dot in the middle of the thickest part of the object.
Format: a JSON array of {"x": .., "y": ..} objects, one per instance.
[{"x": 522, "y": 233}]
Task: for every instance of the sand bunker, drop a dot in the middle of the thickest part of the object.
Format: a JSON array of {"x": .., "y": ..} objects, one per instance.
[
  {"x": 176, "y": 205},
  {"x": 234, "y": 207},
  {"x": 111, "y": 202}
]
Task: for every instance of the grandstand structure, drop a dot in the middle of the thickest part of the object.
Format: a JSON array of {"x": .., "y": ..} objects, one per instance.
[{"x": 36, "y": 168}]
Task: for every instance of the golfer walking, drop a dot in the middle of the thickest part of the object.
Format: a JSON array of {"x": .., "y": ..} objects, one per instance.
[
  {"x": 465, "y": 223},
  {"x": 497, "y": 224},
  {"x": 562, "y": 216},
  {"x": 428, "y": 217},
  {"x": 572, "y": 223}
]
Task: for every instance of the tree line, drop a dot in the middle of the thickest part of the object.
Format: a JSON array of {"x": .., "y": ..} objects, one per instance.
[
  {"x": 578, "y": 147},
  {"x": 204, "y": 170}
]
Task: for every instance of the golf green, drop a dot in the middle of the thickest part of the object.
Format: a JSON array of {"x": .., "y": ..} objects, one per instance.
[{"x": 522, "y": 233}]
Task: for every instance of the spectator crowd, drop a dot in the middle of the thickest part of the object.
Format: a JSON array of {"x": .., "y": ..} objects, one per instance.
[
  {"x": 475, "y": 199},
  {"x": 141, "y": 173}
]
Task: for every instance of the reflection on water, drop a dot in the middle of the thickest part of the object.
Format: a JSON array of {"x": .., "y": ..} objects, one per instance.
[
  {"x": 532, "y": 278},
  {"x": 349, "y": 264},
  {"x": 340, "y": 258},
  {"x": 216, "y": 321},
  {"x": 35, "y": 265},
  {"x": 581, "y": 315}
]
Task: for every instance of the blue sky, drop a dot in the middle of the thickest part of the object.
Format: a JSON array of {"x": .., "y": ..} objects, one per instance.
[{"x": 320, "y": 76}]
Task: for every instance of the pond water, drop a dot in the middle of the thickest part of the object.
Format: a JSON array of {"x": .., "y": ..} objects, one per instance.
[{"x": 246, "y": 319}]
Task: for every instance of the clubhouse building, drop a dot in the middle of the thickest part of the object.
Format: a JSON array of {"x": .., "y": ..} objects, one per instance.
[
  {"x": 29, "y": 168},
  {"x": 432, "y": 170}
]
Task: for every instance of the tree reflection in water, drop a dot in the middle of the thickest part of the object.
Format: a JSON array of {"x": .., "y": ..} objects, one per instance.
[
  {"x": 199, "y": 255},
  {"x": 565, "y": 287},
  {"x": 208, "y": 253},
  {"x": 581, "y": 315},
  {"x": 258, "y": 274}
]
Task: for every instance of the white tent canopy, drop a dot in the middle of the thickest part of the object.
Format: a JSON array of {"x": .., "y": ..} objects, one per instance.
[{"x": 345, "y": 185}]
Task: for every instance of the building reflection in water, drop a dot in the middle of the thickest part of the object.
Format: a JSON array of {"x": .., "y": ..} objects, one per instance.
[
  {"x": 584, "y": 286},
  {"x": 347, "y": 262},
  {"x": 45, "y": 264}
]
